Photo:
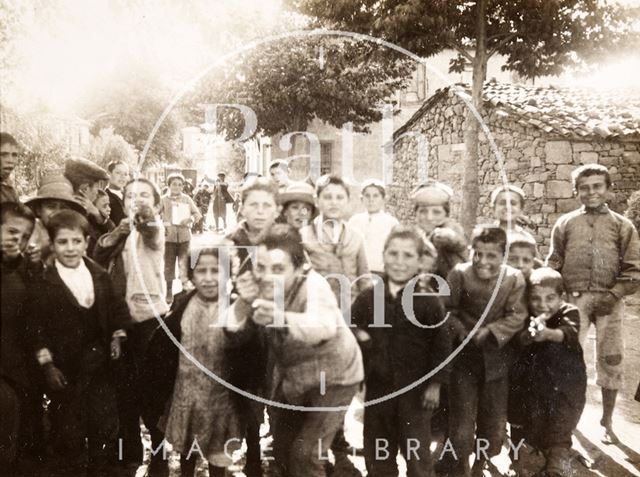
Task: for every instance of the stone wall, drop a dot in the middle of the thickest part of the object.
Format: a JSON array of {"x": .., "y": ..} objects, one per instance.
[{"x": 532, "y": 159}]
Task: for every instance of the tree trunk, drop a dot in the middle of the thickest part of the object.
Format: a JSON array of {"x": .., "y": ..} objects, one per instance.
[{"x": 470, "y": 186}]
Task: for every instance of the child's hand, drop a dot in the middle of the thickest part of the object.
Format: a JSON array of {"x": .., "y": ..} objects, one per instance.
[
  {"x": 88, "y": 205},
  {"x": 604, "y": 304},
  {"x": 54, "y": 377},
  {"x": 263, "y": 312},
  {"x": 247, "y": 287},
  {"x": 431, "y": 397},
  {"x": 545, "y": 333},
  {"x": 442, "y": 236},
  {"x": 123, "y": 228},
  {"x": 481, "y": 336},
  {"x": 116, "y": 348}
]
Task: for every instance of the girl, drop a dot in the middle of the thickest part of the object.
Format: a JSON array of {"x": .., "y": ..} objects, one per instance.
[
  {"x": 194, "y": 410},
  {"x": 298, "y": 205}
]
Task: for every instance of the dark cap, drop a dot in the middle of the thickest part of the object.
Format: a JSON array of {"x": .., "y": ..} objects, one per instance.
[{"x": 81, "y": 170}]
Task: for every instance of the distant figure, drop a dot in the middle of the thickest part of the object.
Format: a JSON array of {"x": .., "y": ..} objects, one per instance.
[
  {"x": 221, "y": 198},
  {"x": 279, "y": 173},
  {"x": 118, "y": 177},
  {"x": 202, "y": 198}
]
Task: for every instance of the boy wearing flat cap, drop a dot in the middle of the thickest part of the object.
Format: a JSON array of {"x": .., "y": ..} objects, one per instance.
[
  {"x": 86, "y": 178},
  {"x": 431, "y": 201}
]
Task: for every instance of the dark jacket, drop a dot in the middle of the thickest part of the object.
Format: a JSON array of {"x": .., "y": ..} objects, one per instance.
[
  {"x": 403, "y": 352},
  {"x": 17, "y": 363},
  {"x": 58, "y": 320},
  {"x": 117, "y": 208},
  {"x": 547, "y": 368}
]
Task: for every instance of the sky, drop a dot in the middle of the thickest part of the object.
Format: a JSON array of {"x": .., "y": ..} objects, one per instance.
[{"x": 73, "y": 48}]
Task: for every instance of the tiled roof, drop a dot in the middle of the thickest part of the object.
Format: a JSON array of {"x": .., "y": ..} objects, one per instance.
[{"x": 567, "y": 112}]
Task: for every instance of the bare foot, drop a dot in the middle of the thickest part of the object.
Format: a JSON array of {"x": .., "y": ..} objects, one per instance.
[{"x": 608, "y": 436}]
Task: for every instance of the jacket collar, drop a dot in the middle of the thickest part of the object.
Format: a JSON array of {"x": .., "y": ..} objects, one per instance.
[{"x": 603, "y": 209}]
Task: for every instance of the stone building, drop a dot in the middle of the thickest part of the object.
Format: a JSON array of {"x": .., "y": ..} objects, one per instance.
[{"x": 541, "y": 133}]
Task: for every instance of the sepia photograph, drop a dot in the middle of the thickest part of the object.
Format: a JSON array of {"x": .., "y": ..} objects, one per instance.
[{"x": 320, "y": 238}]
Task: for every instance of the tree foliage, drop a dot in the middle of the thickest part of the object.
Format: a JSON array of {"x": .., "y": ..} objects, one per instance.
[
  {"x": 290, "y": 81},
  {"x": 107, "y": 147},
  {"x": 535, "y": 37}
]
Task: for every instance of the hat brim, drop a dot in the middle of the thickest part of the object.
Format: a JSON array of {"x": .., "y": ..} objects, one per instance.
[
  {"x": 286, "y": 197},
  {"x": 77, "y": 206}
]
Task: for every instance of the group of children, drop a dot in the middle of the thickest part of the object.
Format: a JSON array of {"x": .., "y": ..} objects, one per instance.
[{"x": 96, "y": 329}]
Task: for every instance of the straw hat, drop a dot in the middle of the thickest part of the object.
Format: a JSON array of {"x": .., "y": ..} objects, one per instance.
[
  {"x": 297, "y": 191},
  {"x": 56, "y": 187}
]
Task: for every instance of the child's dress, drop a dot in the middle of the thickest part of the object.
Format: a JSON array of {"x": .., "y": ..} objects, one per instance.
[{"x": 201, "y": 409}]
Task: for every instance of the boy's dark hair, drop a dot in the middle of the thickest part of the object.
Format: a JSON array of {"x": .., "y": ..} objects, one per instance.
[
  {"x": 489, "y": 234},
  {"x": 113, "y": 164},
  {"x": 590, "y": 170},
  {"x": 280, "y": 163},
  {"x": 376, "y": 184},
  {"x": 260, "y": 183},
  {"x": 16, "y": 209},
  {"x": 197, "y": 253},
  {"x": 101, "y": 193},
  {"x": 328, "y": 179},
  {"x": 156, "y": 194},
  {"x": 67, "y": 219},
  {"x": 408, "y": 232},
  {"x": 546, "y": 277},
  {"x": 6, "y": 138},
  {"x": 287, "y": 238}
]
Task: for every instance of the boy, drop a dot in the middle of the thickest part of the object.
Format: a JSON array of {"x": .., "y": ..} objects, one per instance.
[
  {"x": 396, "y": 357},
  {"x": 19, "y": 399},
  {"x": 134, "y": 254},
  {"x": 597, "y": 251},
  {"x": 9, "y": 155},
  {"x": 221, "y": 198},
  {"x": 432, "y": 204},
  {"x": 55, "y": 194},
  {"x": 178, "y": 214},
  {"x": 298, "y": 205},
  {"x": 118, "y": 177},
  {"x": 523, "y": 252},
  {"x": 87, "y": 178},
  {"x": 279, "y": 172},
  {"x": 501, "y": 198},
  {"x": 478, "y": 387},
  {"x": 374, "y": 224},
  {"x": 549, "y": 379},
  {"x": 315, "y": 338},
  {"x": 76, "y": 315}
]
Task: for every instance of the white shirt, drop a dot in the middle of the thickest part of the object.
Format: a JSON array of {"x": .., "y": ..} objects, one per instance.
[
  {"x": 79, "y": 281},
  {"x": 375, "y": 229}
]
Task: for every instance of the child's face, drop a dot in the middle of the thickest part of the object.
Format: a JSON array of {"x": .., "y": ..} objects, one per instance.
[
  {"x": 592, "y": 191},
  {"x": 69, "y": 246},
  {"x": 486, "y": 259},
  {"x": 103, "y": 205},
  {"x": 137, "y": 195},
  {"x": 430, "y": 216},
  {"x": 280, "y": 175},
  {"x": 9, "y": 155},
  {"x": 119, "y": 176},
  {"x": 544, "y": 299},
  {"x": 500, "y": 209},
  {"x": 333, "y": 202},
  {"x": 14, "y": 235},
  {"x": 401, "y": 260},
  {"x": 272, "y": 265},
  {"x": 372, "y": 199},
  {"x": 297, "y": 213},
  {"x": 260, "y": 210},
  {"x": 521, "y": 258},
  {"x": 205, "y": 277},
  {"x": 176, "y": 186},
  {"x": 50, "y": 207}
]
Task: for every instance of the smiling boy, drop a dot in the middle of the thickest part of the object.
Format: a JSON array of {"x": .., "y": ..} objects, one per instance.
[
  {"x": 597, "y": 251},
  {"x": 478, "y": 387}
]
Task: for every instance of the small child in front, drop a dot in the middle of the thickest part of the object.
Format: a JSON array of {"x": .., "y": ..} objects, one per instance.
[
  {"x": 549, "y": 379},
  {"x": 77, "y": 316},
  {"x": 478, "y": 386}
]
